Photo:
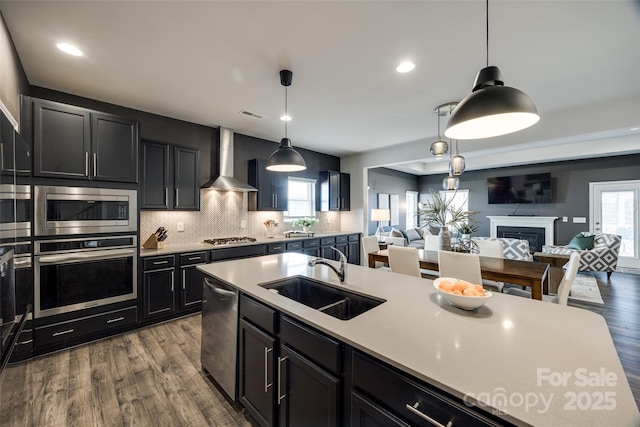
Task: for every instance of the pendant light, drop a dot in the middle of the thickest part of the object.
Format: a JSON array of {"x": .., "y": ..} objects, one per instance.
[
  {"x": 450, "y": 182},
  {"x": 285, "y": 158},
  {"x": 439, "y": 148},
  {"x": 491, "y": 109},
  {"x": 456, "y": 163}
]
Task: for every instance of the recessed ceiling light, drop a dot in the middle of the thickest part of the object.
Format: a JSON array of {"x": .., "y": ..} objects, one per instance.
[
  {"x": 405, "y": 67},
  {"x": 285, "y": 118},
  {"x": 634, "y": 128},
  {"x": 70, "y": 49}
]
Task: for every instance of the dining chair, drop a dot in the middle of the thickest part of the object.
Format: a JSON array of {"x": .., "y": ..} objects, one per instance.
[
  {"x": 570, "y": 272},
  {"x": 493, "y": 249},
  {"x": 404, "y": 260},
  {"x": 430, "y": 244},
  {"x": 370, "y": 244},
  {"x": 460, "y": 265}
]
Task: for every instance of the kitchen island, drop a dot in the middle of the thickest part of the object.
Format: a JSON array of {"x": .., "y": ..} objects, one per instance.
[{"x": 526, "y": 362}]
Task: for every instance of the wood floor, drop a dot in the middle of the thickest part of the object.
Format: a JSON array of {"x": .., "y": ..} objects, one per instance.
[{"x": 152, "y": 377}]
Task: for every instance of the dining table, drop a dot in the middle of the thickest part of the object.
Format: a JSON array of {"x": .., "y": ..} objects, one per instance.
[{"x": 534, "y": 275}]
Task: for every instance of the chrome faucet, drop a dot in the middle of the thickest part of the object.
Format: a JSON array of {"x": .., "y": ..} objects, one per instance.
[{"x": 342, "y": 272}]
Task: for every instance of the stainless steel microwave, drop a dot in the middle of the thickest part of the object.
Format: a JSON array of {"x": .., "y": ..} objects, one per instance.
[{"x": 82, "y": 210}]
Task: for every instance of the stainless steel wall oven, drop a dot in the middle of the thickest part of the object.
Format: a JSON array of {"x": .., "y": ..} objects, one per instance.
[
  {"x": 75, "y": 274},
  {"x": 82, "y": 210}
]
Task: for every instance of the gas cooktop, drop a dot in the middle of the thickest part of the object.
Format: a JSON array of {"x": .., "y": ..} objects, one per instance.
[{"x": 229, "y": 240}]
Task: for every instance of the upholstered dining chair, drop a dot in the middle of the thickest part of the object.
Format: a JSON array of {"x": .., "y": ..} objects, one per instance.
[
  {"x": 493, "y": 249},
  {"x": 460, "y": 265},
  {"x": 370, "y": 244},
  {"x": 431, "y": 243},
  {"x": 404, "y": 260},
  {"x": 571, "y": 269}
]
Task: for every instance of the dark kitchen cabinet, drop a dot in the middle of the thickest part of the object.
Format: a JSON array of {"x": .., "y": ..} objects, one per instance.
[
  {"x": 311, "y": 247},
  {"x": 326, "y": 250},
  {"x": 366, "y": 413},
  {"x": 309, "y": 393},
  {"x": 353, "y": 249},
  {"x": 334, "y": 190},
  {"x": 191, "y": 280},
  {"x": 158, "y": 286},
  {"x": 289, "y": 373},
  {"x": 256, "y": 364},
  {"x": 272, "y": 187},
  {"x": 342, "y": 244},
  {"x": 170, "y": 177},
  {"x": 77, "y": 143}
]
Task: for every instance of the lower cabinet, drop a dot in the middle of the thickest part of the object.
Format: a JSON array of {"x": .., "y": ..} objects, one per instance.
[
  {"x": 291, "y": 374},
  {"x": 158, "y": 286},
  {"x": 191, "y": 280},
  {"x": 288, "y": 373},
  {"x": 353, "y": 252}
]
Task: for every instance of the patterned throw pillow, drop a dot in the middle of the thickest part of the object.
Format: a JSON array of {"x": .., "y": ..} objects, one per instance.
[
  {"x": 413, "y": 234},
  {"x": 395, "y": 233},
  {"x": 581, "y": 242}
]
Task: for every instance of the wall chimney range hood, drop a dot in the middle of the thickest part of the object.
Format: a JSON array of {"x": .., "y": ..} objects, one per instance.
[{"x": 226, "y": 181}]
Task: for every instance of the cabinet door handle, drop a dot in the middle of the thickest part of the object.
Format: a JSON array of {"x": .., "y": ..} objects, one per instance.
[
  {"x": 68, "y": 331},
  {"x": 117, "y": 319},
  {"x": 95, "y": 164},
  {"x": 280, "y": 395},
  {"x": 193, "y": 258},
  {"x": 172, "y": 283},
  {"x": 267, "y": 350},
  {"x": 425, "y": 417},
  {"x": 86, "y": 163},
  {"x": 276, "y": 198},
  {"x": 176, "y": 202},
  {"x": 166, "y": 195},
  {"x": 160, "y": 262}
]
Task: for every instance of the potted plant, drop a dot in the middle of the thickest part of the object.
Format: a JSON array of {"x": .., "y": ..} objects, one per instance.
[
  {"x": 305, "y": 223},
  {"x": 442, "y": 213},
  {"x": 465, "y": 230}
]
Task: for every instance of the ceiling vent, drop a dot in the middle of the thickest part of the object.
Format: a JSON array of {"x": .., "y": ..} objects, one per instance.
[{"x": 251, "y": 114}]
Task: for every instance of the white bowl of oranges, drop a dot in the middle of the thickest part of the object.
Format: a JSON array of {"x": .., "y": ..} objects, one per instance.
[{"x": 461, "y": 293}]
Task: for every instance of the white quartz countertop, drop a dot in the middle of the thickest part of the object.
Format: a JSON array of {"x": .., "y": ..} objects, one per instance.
[
  {"x": 201, "y": 246},
  {"x": 539, "y": 363}
]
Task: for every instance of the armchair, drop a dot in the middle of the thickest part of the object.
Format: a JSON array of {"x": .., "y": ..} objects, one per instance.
[{"x": 602, "y": 257}]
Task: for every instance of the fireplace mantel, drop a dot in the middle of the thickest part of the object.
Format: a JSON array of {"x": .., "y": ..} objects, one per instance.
[{"x": 545, "y": 222}]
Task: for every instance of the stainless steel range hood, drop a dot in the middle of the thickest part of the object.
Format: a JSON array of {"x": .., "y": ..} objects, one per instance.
[{"x": 226, "y": 180}]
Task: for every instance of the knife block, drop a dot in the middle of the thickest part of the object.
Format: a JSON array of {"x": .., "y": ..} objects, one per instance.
[{"x": 153, "y": 243}]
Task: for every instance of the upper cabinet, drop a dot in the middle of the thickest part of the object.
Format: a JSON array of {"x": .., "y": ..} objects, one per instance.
[
  {"x": 170, "y": 177},
  {"x": 334, "y": 190},
  {"x": 77, "y": 143},
  {"x": 272, "y": 187}
]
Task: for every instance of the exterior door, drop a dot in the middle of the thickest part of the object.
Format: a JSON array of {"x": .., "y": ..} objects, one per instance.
[{"x": 614, "y": 209}]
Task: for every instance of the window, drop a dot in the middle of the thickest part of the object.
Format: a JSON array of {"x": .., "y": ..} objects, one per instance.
[
  {"x": 460, "y": 198},
  {"x": 301, "y": 198},
  {"x": 411, "y": 209}
]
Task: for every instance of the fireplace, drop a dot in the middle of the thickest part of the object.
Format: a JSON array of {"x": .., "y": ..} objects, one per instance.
[
  {"x": 534, "y": 235},
  {"x": 538, "y": 230}
]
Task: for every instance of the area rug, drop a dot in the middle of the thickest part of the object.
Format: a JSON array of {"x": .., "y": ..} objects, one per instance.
[{"x": 585, "y": 288}]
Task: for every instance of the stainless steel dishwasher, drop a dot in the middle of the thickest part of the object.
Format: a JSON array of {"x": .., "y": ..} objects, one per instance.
[{"x": 219, "y": 333}]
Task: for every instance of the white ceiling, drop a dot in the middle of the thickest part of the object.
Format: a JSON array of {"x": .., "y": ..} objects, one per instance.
[{"x": 205, "y": 61}]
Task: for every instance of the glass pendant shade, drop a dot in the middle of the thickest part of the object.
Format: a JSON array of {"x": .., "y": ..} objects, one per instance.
[
  {"x": 439, "y": 148},
  {"x": 450, "y": 183},
  {"x": 456, "y": 165},
  {"x": 286, "y": 159},
  {"x": 491, "y": 109}
]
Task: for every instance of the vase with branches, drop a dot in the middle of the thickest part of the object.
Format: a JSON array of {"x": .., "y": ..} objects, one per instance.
[{"x": 441, "y": 212}]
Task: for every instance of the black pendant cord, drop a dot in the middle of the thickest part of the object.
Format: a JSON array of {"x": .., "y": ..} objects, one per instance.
[
  {"x": 439, "y": 124},
  {"x": 487, "y": 19},
  {"x": 286, "y": 112}
]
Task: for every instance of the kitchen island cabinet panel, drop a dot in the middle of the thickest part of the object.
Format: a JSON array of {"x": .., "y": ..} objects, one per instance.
[
  {"x": 365, "y": 413},
  {"x": 256, "y": 366},
  {"x": 309, "y": 394}
]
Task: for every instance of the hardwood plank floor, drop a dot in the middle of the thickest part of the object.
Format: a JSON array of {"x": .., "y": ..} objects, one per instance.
[
  {"x": 621, "y": 310},
  {"x": 149, "y": 377},
  {"x": 153, "y": 376}
]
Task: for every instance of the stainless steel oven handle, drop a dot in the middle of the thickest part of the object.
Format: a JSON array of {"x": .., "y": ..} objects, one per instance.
[
  {"x": 84, "y": 256},
  {"x": 24, "y": 262}
]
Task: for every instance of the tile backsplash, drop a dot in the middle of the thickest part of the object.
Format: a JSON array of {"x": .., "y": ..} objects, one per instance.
[{"x": 221, "y": 215}]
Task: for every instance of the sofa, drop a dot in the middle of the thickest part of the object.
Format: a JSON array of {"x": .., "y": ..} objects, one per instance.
[
  {"x": 411, "y": 237},
  {"x": 602, "y": 256}
]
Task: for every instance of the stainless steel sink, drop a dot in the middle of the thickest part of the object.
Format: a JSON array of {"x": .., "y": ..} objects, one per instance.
[{"x": 336, "y": 302}]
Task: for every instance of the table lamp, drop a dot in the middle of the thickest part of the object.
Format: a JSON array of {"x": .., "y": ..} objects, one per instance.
[{"x": 380, "y": 215}]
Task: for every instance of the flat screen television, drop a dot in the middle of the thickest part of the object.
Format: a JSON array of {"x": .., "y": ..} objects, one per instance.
[{"x": 533, "y": 188}]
